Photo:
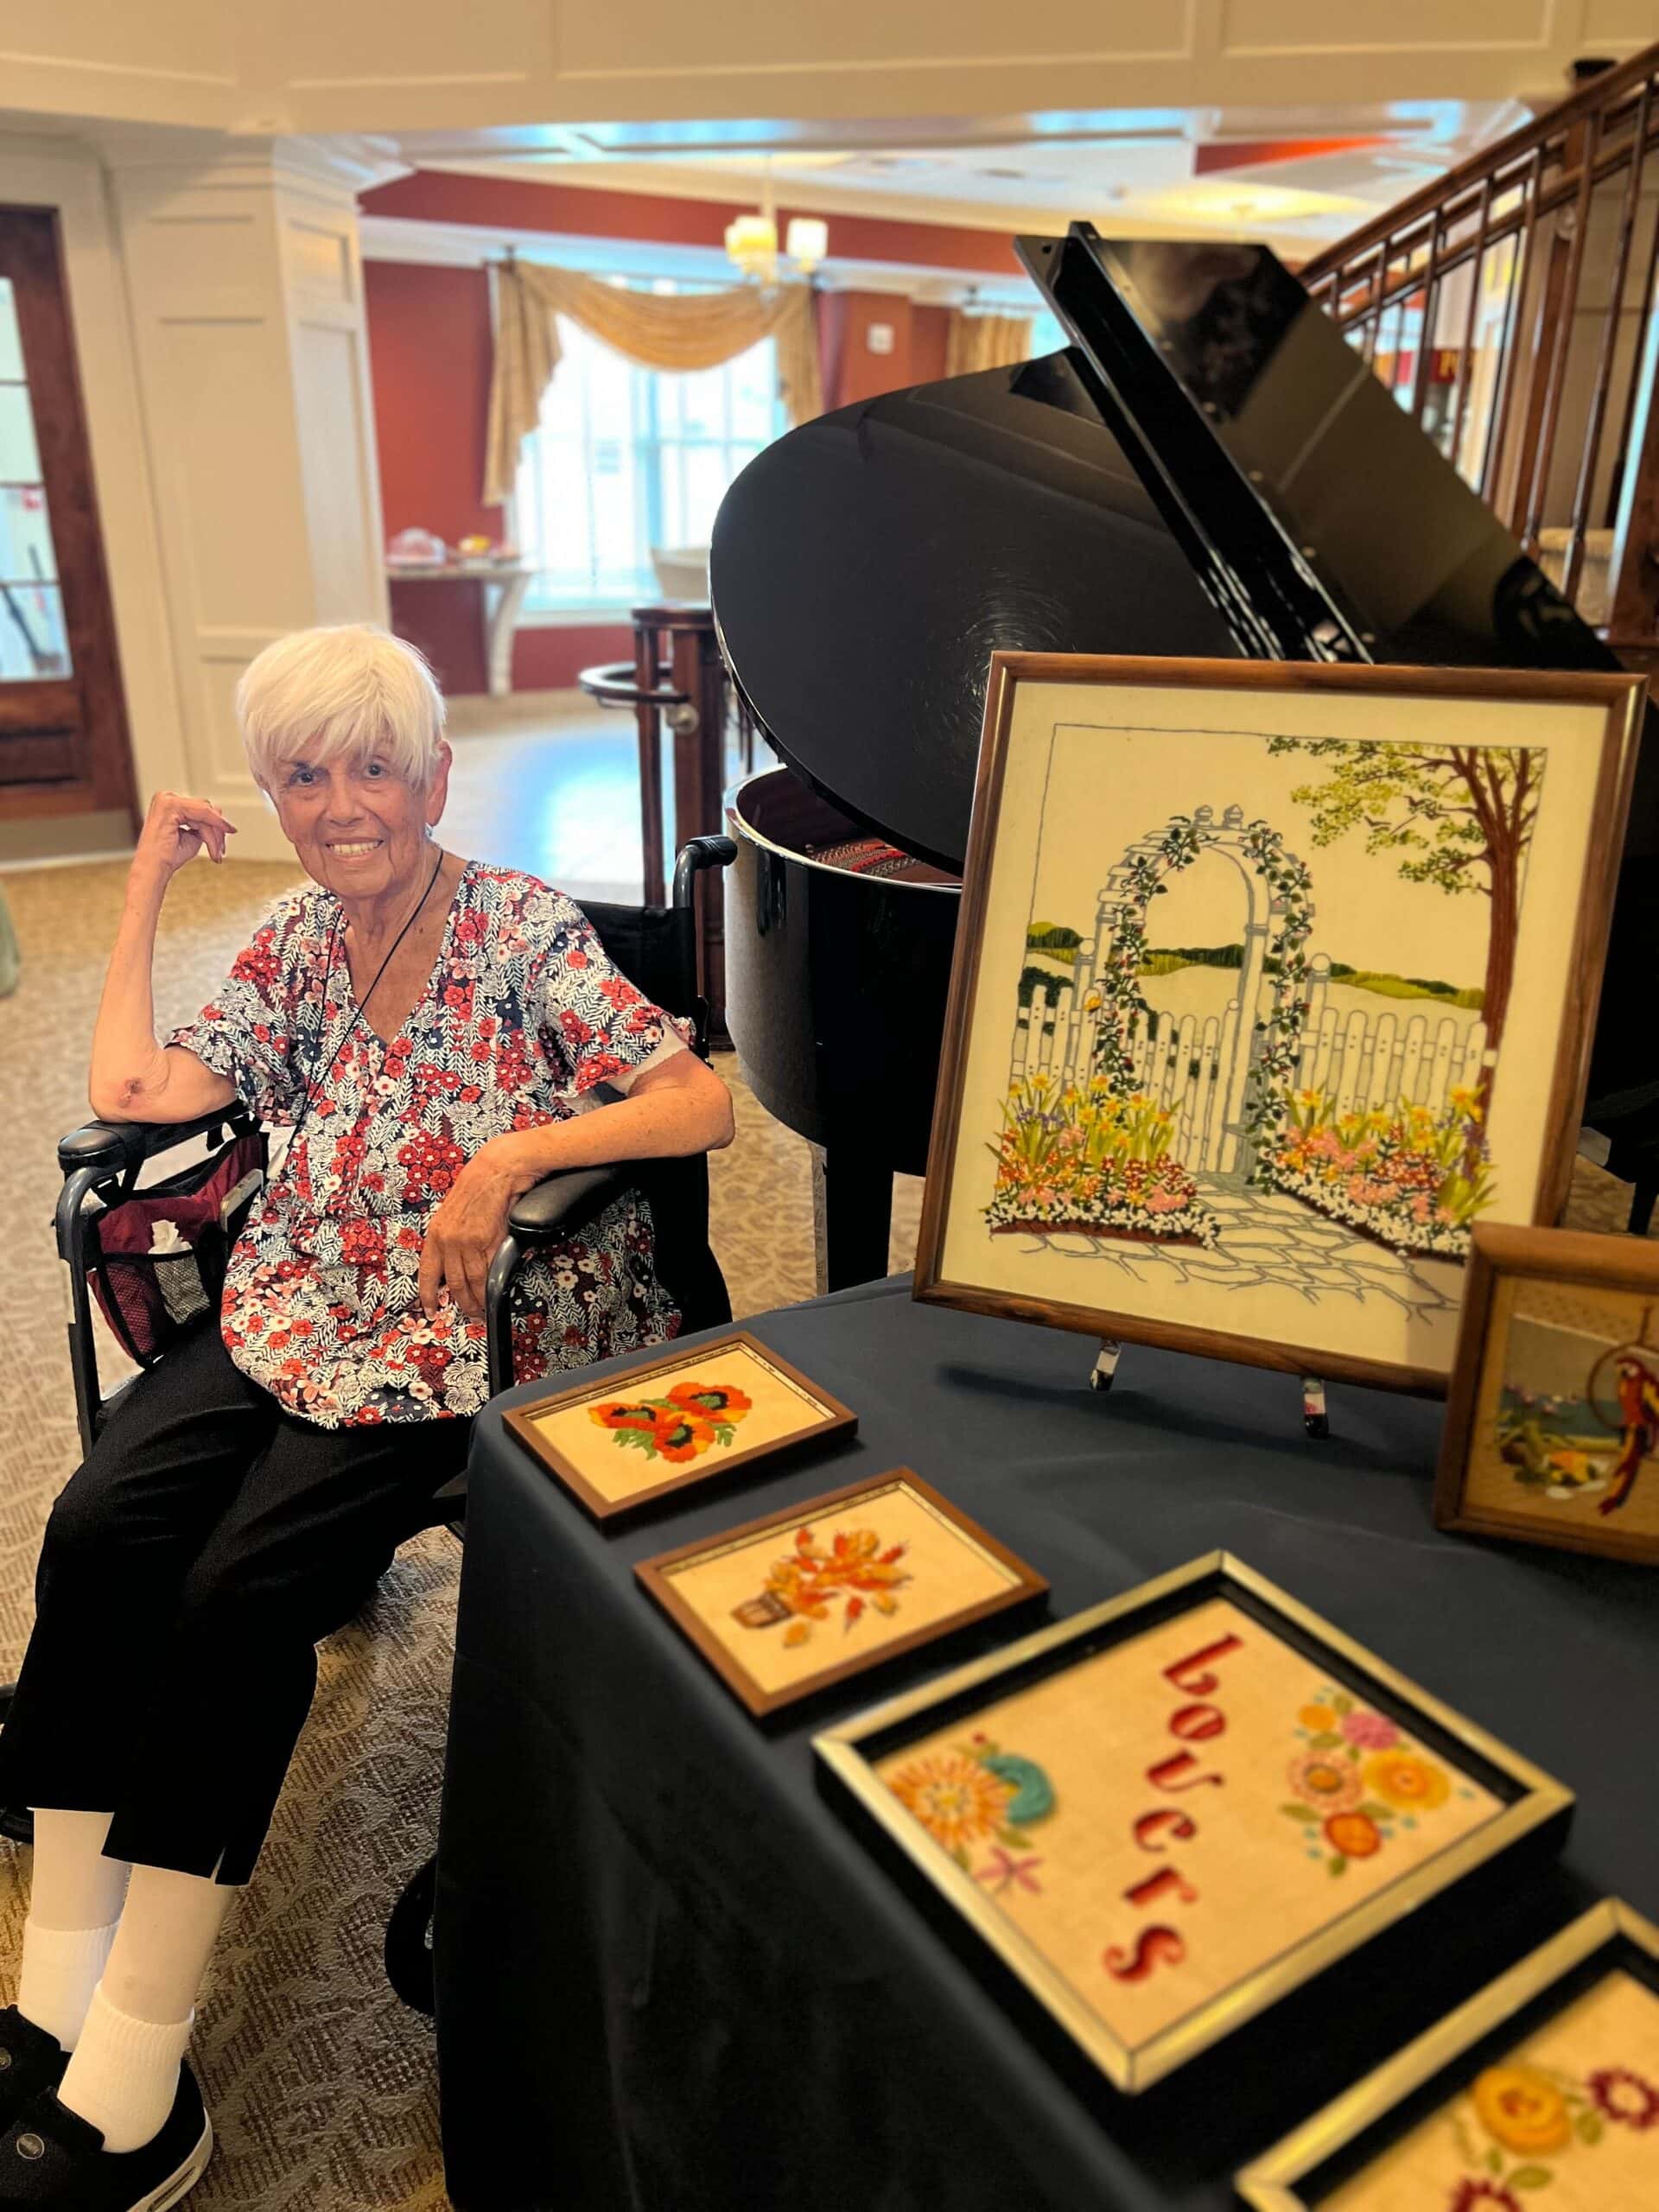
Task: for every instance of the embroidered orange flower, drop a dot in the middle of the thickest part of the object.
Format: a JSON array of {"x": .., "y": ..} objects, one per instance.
[
  {"x": 1319, "y": 1718},
  {"x": 956, "y": 1799},
  {"x": 720, "y": 1400},
  {"x": 681, "y": 1435},
  {"x": 1521, "y": 2108},
  {"x": 1330, "y": 1784},
  {"x": 1355, "y": 1835},
  {"x": 623, "y": 1413},
  {"x": 1404, "y": 1781}
]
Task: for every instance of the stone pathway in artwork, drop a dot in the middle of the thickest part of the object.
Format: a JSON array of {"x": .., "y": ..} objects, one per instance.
[{"x": 1271, "y": 1241}]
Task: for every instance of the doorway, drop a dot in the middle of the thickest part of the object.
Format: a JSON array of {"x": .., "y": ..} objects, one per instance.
[{"x": 64, "y": 745}]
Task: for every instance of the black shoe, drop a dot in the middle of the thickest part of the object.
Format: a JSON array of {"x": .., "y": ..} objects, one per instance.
[
  {"x": 52, "y": 2156},
  {"x": 31, "y": 2061}
]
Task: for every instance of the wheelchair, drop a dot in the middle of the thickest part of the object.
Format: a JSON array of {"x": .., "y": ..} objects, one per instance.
[{"x": 103, "y": 1164}]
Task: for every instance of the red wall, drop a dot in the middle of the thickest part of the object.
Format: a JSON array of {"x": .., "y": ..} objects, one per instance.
[{"x": 429, "y": 348}]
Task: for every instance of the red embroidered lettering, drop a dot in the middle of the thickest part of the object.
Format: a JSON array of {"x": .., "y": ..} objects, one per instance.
[
  {"x": 1196, "y": 1724},
  {"x": 1182, "y": 1826},
  {"x": 1178, "y": 1674},
  {"x": 1150, "y": 1945},
  {"x": 1160, "y": 1884},
  {"x": 1161, "y": 1776}
]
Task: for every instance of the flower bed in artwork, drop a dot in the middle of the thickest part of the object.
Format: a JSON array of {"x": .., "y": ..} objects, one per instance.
[
  {"x": 1094, "y": 1162},
  {"x": 1412, "y": 1178}
]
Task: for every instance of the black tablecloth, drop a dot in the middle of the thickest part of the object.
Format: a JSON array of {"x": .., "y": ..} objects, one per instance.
[{"x": 673, "y": 1974}]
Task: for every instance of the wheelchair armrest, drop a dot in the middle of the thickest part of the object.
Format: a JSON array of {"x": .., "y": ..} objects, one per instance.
[
  {"x": 111, "y": 1147},
  {"x": 562, "y": 1204}
]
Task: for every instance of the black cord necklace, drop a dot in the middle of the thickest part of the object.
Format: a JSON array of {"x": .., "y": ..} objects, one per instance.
[{"x": 314, "y": 1087}]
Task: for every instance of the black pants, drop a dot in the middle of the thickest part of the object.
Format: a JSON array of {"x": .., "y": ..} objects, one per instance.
[{"x": 189, "y": 1567}]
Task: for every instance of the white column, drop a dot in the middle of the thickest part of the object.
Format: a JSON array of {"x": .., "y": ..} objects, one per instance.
[{"x": 245, "y": 283}]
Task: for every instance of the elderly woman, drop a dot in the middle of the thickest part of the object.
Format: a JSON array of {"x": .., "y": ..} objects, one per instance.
[{"x": 433, "y": 1031}]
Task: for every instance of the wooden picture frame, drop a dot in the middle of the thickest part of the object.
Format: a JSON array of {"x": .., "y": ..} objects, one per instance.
[
  {"x": 1179, "y": 1181},
  {"x": 1552, "y": 1429},
  {"x": 774, "y": 1385},
  {"x": 1146, "y": 1915},
  {"x": 1453, "y": 2078},
  {"x": 984, "y": 1579}
]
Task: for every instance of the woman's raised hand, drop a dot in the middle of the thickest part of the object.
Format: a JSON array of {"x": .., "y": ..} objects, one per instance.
[{"x": 175, "y": 830}]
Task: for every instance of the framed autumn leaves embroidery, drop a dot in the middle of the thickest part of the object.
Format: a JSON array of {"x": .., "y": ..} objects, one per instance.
[
  {"x": 1169, "y": 1811},
  {"x": 786, "y": 1605},
  {"x": 1540, "y": 2094},
  {"x": 681, "y": 1420}
]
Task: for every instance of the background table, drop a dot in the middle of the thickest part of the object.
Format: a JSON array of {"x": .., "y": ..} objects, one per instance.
[{"x": 671, "y": 1976}]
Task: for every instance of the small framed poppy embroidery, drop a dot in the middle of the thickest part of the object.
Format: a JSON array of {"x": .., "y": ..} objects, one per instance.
[
  {"x": 1540, "y": 2094},
  {"x": 1552, "y": 1433},
  {"x": 1170, "y": 1811},
  {"x": 785, "y": 1606},
  {"x": 696, "y": 1415}
]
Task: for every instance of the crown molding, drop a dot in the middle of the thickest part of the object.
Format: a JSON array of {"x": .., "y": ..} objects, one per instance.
[{"x": 343, "y": 165}]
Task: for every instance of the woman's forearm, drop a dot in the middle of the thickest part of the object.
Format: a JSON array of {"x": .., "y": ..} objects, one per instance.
[
  {"x": 668, "y": 1118},
  {"x": 134, "y": 1079}
]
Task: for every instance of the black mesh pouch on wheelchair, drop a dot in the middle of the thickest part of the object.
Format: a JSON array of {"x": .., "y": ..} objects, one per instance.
[{"x": 157, "y": 1257}]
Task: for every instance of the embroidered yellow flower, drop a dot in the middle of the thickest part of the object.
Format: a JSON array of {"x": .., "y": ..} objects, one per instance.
[
  {"x": 1521, "y": 2109},
  {"x": 1409, "y": 1783}
]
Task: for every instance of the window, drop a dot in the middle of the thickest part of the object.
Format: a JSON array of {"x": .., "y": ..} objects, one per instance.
[{"x": 626, "y": 459}]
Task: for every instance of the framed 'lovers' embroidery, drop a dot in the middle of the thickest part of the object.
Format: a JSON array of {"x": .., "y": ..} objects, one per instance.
[
  {"x": 696, "y": 1415},
  {"x": 1169, "y": 1811},
  {"x": 1540, "y": 2094}
]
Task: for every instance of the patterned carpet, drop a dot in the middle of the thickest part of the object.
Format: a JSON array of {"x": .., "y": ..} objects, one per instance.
[{"x": 321, "y": 2083}]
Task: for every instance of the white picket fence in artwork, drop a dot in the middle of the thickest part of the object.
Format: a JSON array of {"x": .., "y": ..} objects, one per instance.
[{"x": 1361, "y": 1059}]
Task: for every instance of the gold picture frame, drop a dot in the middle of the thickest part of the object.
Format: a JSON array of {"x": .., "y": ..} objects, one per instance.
[
  {"x": 1255, "y": 1119},
  {"x": 1552, "y": 1430},
  {"x": 781, "y": 1410},
  {"x": 1488, "y": 1799},
  {"x": 1328, "y": 2159},
  {"x": 790, "y": 1576}
]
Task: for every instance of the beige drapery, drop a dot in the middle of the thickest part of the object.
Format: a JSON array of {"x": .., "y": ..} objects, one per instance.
[
  {"x": 682, "y": 331},
  {"x": 985, "y": 341}
]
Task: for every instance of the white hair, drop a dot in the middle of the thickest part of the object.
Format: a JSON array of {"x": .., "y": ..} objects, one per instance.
[{"x": 350, "y": 689}]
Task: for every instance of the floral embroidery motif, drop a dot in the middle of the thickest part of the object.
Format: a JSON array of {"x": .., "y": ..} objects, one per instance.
[
  {"x": 975, "y": 1793},
  {"x": 1349, "y": 1804},
  {"x": 807, "y": 1586},
  {"x": 1409, "y": 1178},
  {"x": 1532, "y": 2113},
  {"x": 524, "y": 1015},
  {"x": 692, "y": 1419}
]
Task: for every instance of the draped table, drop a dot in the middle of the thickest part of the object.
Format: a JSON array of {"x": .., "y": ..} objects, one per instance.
[{"x": 674, "y": 1976}]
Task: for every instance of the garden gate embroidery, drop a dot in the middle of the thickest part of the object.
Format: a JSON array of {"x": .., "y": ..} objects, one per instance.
[
  {"x": 850, "y": 1572},
  {"x": 692, "y": 1419},
  {"x": 979, "y": 1795}
]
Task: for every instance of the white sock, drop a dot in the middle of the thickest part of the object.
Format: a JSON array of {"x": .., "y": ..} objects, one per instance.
[
  {"x": 124, "y": 2075},
  {"x": 75, "y": 1901},
  {"x": 61, "y": 1969}
]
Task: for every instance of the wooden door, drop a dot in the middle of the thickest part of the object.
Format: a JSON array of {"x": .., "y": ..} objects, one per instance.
[{"x": 63, "y": 727}]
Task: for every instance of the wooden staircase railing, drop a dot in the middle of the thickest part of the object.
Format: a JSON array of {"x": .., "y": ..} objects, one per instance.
[{"x": 1510, "y": 308}]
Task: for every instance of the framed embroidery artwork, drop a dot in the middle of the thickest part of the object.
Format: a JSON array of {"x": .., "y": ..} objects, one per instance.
[
  {"x": 1540, "y": 2094},
  {"x": 696, "y": 1414},
  {"x": 788, "y": 1605},
  {"x": 1168, "y": 1812},
  {"x": 1271, "y": 982},
  {"x": 1552, "y": 1433}
]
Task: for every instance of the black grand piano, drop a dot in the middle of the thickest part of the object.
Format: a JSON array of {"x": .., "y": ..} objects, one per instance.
[{"x": 1207, "y": 469}]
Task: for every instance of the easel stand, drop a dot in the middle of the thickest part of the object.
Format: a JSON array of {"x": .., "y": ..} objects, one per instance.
[{"x": 1316, "y": 1419}]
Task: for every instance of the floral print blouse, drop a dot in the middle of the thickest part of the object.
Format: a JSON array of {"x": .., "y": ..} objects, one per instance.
[{"x": 523, "y": 1016}]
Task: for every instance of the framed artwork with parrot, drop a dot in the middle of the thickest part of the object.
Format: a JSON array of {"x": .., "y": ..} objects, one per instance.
[{"x": 1552, "y": 1433}]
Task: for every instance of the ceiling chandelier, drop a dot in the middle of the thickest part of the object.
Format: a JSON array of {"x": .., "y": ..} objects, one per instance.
[{"x": 751, "y": 241}]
